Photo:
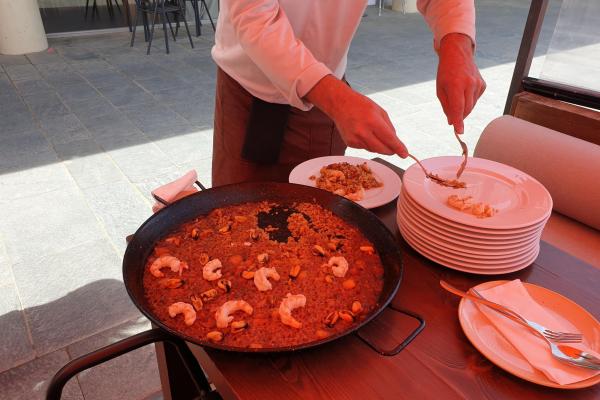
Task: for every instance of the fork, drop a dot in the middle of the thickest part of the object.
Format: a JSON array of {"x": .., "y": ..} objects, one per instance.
[
  {"x": 562, "y": 352},
  {"x": 465, "y": 153},
  {"x": 427, "y": 173},
  {"x": 558, "y": 337},
  {"x": 563, "y": 337}
]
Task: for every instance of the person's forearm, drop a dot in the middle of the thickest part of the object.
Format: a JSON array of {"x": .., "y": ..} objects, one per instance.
[
  {"x": 328, "y": 95},
  {"x": 361, "y": 123},
  {"x": 456, "y": 42}
]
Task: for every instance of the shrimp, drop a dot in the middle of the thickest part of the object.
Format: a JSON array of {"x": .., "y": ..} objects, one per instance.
[
  {"x": 356, "y": 196},
  {"x": 161, "y": 262},
  {"x": 339, "y": 266},
  {"x": 222, "y": 313},
  {"x": 189, "y": 314},
  {"x": 212, "y": 270},
  {"x": 289, "y": 303},
  {"x": 334, "y": 175},
  {"x": 261, "y": 280}
]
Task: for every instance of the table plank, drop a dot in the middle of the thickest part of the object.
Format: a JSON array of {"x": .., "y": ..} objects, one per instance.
[{"x": 439, "y": 363}]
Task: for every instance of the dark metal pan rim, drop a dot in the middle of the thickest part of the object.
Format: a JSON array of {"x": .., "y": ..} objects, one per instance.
[{"x": 383, "y": 302}]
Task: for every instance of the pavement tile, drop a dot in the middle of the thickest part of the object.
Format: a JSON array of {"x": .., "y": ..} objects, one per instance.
[
  {"x": 16, "y": 120},
  {"x": 92, "y": 108},
  {"x": 77, "y": 92},
  {"x": 15, "y": 346},
  {"x": 49, "y": 70},
  {"x": 64, "y": 128},
  {"x": 46, "y": 105},
  {"x": 154, "y": 85},
  {"x": 153, "y": 118},
  {"x": 75, "y": 54},
  {"x": 6, "y": 60},
  {"x": 27, "y": 174},
  {"x": 83, "y": 294},
  {"x": 132, "y": 376},
  {"x": 33, "y": 87},
  {"x": 184, "y": 148},
  {"x": 197, "y": 111},
  {"x": 64, "y": 77},
  {"x": 106, "y": 78},
  {"x": 30, "y": 381},
  {"x": 110, "y": 126},
  {"x": 140, "y": 161},
  {"x": 49, "y": 56},
  {"x": 88, "y": 164},
  {"x": 120, "y": 207},
  {"x": 125, "y": 95},
  {"x": 6, "y": 275},
  {"x": 22, "y": 72},
  {"x": 6, "y": 86},
  {"x": 13, "y": 147},
  {"x": 54, "y": 221}
]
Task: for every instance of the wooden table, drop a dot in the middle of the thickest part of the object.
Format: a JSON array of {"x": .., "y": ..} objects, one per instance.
[{"x": 439, "y": 364}]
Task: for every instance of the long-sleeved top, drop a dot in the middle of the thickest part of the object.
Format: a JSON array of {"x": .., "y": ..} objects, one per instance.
[{"x": 279, "y": 49}]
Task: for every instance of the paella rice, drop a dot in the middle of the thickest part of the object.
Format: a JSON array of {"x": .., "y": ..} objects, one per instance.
[{"x": 264, "y": 275}]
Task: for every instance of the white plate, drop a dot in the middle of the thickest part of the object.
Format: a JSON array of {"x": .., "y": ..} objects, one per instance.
[
  {"x": 484, "y": 336},
  {"x": 461, "y": 266},
  {"x": 469, "y": 230},
  {"x": 460, "y": 257},
  {"x": 521, "y": 200},
  {"x": 482, "y": 242},
  {"x": 373, "y": 197},
  {"x": 460, "y": 248}
]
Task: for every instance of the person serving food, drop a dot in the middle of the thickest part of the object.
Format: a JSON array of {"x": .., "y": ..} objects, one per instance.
[{"x": 281, "y": 96}]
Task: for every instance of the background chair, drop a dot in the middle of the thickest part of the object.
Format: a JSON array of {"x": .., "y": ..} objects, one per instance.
[
  {"x": 162, "y": 8},
  {"x": 198, "y": 11}
]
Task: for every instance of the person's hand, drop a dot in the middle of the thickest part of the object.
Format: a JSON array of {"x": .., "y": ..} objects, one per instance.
[
  {"x": 360, "y": 121},
  {"x": 459, "y": 83}
]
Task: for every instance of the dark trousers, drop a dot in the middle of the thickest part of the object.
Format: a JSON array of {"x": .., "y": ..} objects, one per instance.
[{"x": 308, "y": 134}]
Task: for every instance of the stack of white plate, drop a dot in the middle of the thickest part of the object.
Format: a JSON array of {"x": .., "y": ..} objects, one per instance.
[{"x": 506, "y": 242}]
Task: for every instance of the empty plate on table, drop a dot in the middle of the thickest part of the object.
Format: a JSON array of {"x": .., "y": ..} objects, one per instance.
[
  {"x": 484, "y": 336},
  {"x": 520, "y": 200},
  {"x": 372, "y": 198}
]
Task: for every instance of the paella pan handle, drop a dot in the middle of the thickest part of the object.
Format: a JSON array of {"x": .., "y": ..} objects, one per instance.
[
  {"x": 405, "y": 342},
  {"x": 119, "y": 348},
  {"x": 166, "y": 203}
]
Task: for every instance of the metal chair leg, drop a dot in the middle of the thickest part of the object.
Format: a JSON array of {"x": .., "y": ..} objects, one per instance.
[
  {"x": 153, "y": 23},
  {"x": 109, "y": 7},
  {"x": 137, "y": 15},
  {"x": 164, "y": 18},
  {"x": 209, "y": 16},
  {"x": 187, "y": 28},
  {"x": 197, "y": 17},
  {"x": 146, "y": 26},
  {"x": 177, "y": 23},
  {"x": 87, "y": 4},
  {"x": 170, "y": 26}
]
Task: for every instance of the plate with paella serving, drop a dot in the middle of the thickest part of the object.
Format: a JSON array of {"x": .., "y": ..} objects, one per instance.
[{"x": 363, "y": 181}]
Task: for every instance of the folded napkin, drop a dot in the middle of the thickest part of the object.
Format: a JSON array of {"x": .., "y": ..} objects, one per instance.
[
  {"x": 175, "y": 190},
  {"x": 533, "y": 348}
]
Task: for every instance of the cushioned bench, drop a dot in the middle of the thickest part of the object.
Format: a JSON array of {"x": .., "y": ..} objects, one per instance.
[{"x": 568, "y": 167}]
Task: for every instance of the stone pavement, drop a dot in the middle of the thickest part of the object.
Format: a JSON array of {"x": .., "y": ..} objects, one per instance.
[{"x": 88, "y": 129}]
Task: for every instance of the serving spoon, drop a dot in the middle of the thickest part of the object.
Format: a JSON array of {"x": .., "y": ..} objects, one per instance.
[
  {"x": 454, "y": 183},
  {"x": 465, "y": 153}
]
